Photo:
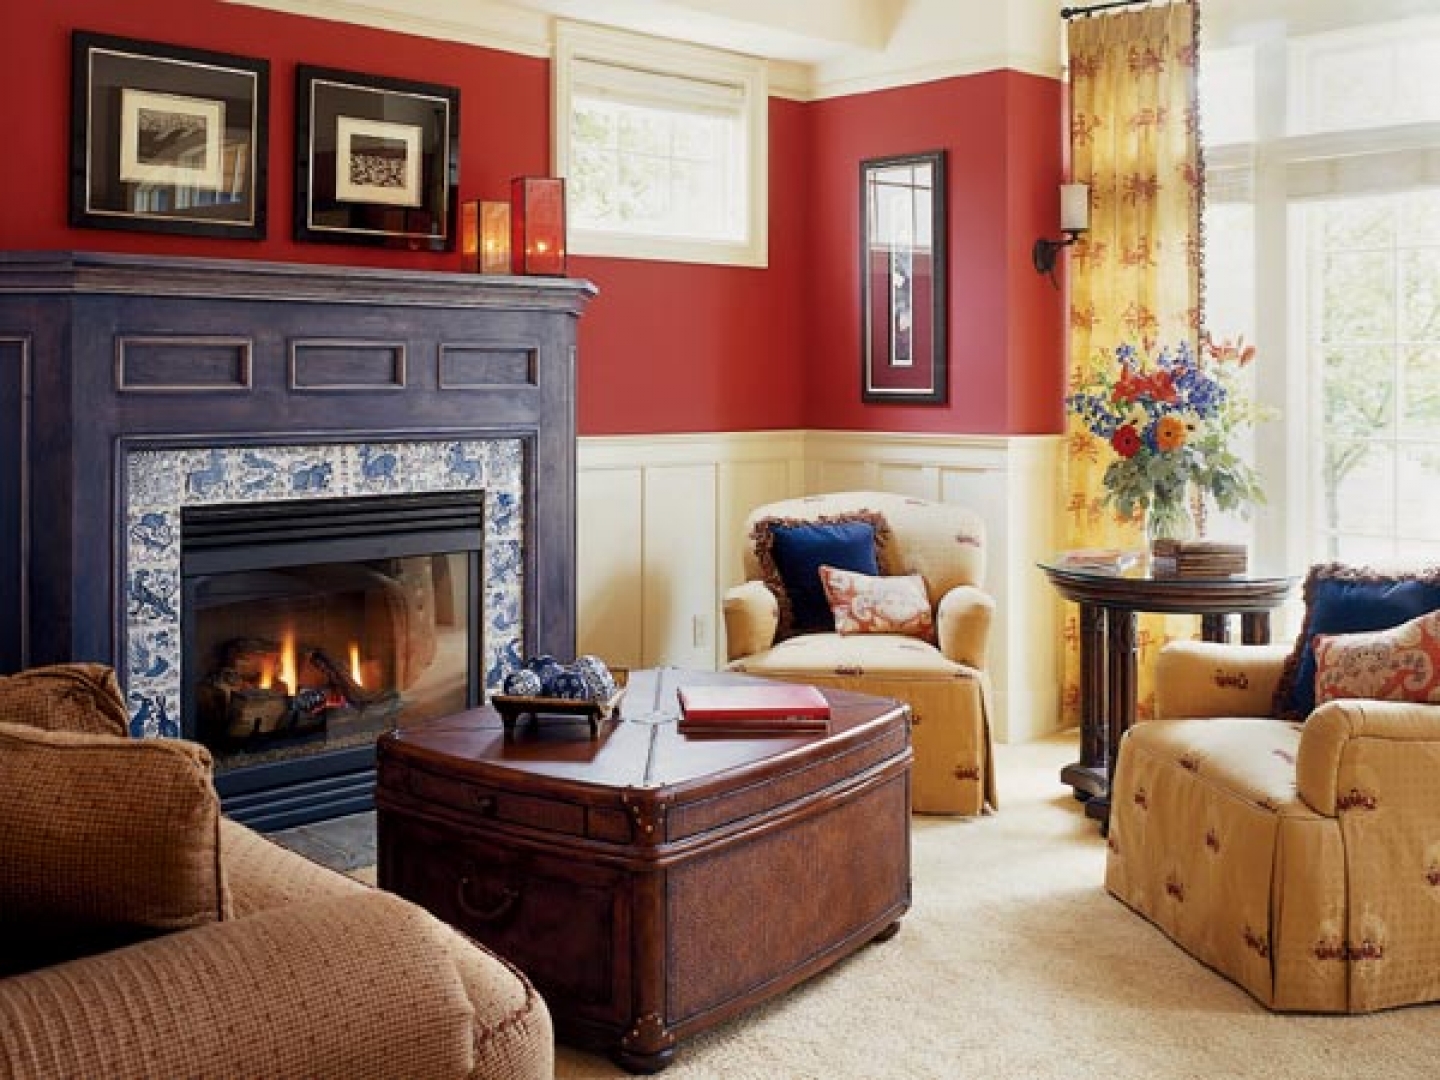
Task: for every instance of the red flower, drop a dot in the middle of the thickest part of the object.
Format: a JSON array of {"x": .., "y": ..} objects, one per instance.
[{"x": 1126, "y": 441}]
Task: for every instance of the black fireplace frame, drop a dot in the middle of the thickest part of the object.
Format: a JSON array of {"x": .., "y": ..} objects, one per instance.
[
  {"x": 232, "y": 537},
  {"x": 102, "y": 354}
]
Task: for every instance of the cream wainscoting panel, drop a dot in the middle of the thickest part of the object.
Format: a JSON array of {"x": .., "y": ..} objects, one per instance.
[
  {"x": 658, "y": 536},
  {"x": 659, "y": 539}
]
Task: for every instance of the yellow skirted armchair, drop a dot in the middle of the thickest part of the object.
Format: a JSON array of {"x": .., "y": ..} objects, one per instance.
[
  {"x": 1301, "y": 860},
  {"x": 936, "y": 665}
]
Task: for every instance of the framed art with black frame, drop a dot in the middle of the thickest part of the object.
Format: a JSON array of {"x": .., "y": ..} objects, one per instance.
[
  {"x": 377, "y": 160},
  {"x": 167, "y": 139},
  {"x": 903, "y": 294}
]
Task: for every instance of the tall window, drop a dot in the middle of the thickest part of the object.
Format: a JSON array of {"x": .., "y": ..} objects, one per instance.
[
  {"x": 1323, "y": 242},
  {"x": 663, "y": 147}
]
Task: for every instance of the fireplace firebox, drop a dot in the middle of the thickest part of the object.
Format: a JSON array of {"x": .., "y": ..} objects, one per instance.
[{"x": 309, "y": 627}]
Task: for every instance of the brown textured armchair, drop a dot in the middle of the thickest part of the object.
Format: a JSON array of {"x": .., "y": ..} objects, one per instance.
[
  {"x": 940, "y": 675},
  {"x": 183, "y": 944}
]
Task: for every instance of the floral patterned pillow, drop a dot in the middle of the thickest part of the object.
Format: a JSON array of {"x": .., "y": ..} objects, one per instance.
[
  {"x": 1399, "y": 664},
  {"x": 863, "y": 604}
]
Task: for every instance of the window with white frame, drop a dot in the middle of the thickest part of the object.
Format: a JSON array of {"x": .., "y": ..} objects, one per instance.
[
  {"x": 1323, "y": 243},
  {"x": 663, "y": 147}
]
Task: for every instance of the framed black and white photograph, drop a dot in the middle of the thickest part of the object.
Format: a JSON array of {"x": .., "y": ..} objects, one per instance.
[
  {"x": 167, "y": 139},
  {"x": 376, "y": 160}
]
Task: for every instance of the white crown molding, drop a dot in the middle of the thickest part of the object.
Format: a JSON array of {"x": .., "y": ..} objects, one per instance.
[
  {"x": 792, "y": 81},
  {"x": 833, "y": 82},
  {"x": 485, "y": 23}
]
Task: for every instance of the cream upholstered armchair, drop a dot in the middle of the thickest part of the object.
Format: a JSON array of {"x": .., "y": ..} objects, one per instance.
[
  {"x": 921, "y": 640},
  {"x": 1298, "y": 857}
]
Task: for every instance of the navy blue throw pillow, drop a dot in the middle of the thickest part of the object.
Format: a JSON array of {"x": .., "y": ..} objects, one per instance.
[
  {"x": 791, "y": 552},
  {"x": 1345, "y": 600}
]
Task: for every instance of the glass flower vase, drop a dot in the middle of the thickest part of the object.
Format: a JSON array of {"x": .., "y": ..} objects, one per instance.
[{"x": 1170, "y": 516}]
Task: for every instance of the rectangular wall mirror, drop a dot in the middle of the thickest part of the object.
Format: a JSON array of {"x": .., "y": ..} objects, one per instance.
[{"x": 902, "y": 278}]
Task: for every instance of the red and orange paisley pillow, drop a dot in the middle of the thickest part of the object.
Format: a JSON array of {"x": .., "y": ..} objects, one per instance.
[
  {"x": 1399, "y": 664},
  {"x": 864, "y": 604}
]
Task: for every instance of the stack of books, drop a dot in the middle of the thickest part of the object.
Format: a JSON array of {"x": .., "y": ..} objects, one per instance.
[
  {"x": 752, "y": 709},
  {"x": 1197, "y": 559},
  {"x": 1099, "y": 560}
]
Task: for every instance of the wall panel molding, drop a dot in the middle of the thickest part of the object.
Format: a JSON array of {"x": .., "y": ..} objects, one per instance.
[
  {"x": 660, "y": 521},
  {"x": 15, "y": 353}
]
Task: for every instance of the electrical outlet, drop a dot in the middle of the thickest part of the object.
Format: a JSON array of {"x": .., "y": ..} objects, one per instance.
[{"x": 699, "y": 631}]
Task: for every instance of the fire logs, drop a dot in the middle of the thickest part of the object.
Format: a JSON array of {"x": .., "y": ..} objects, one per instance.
[{"x": 247, "y": 699}]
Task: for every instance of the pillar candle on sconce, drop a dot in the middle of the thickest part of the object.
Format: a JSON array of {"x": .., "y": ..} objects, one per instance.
[{"x": 537, "y": 225}]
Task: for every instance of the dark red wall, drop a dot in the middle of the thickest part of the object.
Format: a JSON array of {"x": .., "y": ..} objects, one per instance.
[
  {"x": 1001, "y": 133},
  {"x": 496, "y": 143},
  {"x": 675, "y": 347},
  {"x": 667, "y": 347}
]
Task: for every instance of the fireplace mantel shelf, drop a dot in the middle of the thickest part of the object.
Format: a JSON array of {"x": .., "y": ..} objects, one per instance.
[{"x": 33, "y": 272}]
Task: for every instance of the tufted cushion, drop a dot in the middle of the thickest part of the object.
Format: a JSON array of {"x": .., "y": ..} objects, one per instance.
[
  {"x": 104, "y": 840},
  {"x": 791, "y": 551},
  {"x": 1346, "y": 600},
  {"x": 65, "y": 697},
  {"x": 1399, "y": 664},
  {"x": 864, "y": 604}
]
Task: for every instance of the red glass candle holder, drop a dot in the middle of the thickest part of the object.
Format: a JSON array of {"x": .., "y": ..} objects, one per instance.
[
  {"x": 495, "y": 238},
  {"x": 470, "y": 237},
  {"x": 537, "y": 225},
  {"x": 485, "y": 237}
]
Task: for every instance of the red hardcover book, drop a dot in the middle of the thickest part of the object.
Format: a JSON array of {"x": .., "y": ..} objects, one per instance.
[{"x": 752, "y": 709}]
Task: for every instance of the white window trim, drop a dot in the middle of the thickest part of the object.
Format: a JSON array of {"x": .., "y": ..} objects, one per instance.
[
  {"x": 1285, "y": 171},
  {"x": 577, "y": 43}
]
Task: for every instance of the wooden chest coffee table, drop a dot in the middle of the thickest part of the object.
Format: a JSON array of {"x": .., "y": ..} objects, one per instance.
[{"x": 652, "y": 884}]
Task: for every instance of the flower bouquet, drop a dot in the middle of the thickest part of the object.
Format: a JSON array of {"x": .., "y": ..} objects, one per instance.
[{"x": 1172, "y": 419}]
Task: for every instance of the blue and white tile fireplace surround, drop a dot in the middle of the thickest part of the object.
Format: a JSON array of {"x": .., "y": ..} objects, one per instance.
[{"x": 133, "y": 389}]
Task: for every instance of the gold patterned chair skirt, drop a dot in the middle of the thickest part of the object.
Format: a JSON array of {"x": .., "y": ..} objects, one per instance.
[{"x": 1301, "y": 861}]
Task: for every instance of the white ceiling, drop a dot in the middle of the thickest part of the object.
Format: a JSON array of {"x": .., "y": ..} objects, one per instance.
[
  {"x": 803, "y": 31},
  {"x": 825, "y": 47}
]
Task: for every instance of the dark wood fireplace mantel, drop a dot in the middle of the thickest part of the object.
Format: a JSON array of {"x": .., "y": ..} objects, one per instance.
[{"x": 104, "y": 354}]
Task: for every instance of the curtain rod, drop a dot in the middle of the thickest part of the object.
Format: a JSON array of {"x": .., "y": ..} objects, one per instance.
[{"x": 1069, "y": 13}]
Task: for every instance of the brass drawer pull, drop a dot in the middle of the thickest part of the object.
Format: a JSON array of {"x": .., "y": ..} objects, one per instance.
[
  {"x": 485, "y": 804},
  {"x": 506, "y": 899}
]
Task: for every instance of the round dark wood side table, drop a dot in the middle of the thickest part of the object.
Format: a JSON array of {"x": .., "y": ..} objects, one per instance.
[{"x": 1108, "y": 605}]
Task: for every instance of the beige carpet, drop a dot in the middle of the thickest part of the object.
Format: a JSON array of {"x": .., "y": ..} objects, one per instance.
[{"x": 1015, "y": 963}]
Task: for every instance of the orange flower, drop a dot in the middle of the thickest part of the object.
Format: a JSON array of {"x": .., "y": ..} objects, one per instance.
[{"x": 1170, "y": 433}]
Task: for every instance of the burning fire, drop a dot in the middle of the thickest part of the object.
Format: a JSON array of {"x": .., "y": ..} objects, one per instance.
[
  {"x": 288, "y": 675},
  {"x": 282, "y": 671}
]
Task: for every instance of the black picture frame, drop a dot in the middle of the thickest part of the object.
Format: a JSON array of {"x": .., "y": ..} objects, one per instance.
[
  {"x": 167, "y": 139},
  {"x": 401, "y": 140},
  {"x": 904, "y": 296}
]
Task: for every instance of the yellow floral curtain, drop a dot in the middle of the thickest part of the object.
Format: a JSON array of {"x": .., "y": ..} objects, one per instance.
[{"x": 1135, "y": 275}]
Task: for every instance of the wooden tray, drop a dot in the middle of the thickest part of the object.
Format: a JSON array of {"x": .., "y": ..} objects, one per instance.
[{"x": 513, "y": 706}]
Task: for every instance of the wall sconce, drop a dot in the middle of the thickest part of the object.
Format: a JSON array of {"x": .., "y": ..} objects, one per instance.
[
  {"x": 537, "y": 225},
  {"x": 1074, "y": 220},
  {"x": 485, "y": 237}
]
